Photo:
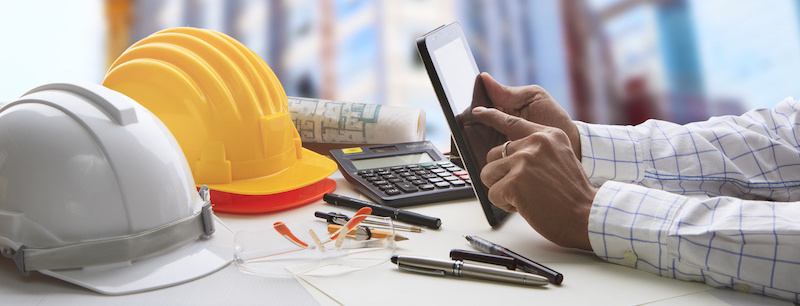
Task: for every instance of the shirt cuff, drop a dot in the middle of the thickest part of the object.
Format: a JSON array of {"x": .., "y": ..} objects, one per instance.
[
  {"x": 628, "y": 225},
  {"x": 611, "y": 153}
]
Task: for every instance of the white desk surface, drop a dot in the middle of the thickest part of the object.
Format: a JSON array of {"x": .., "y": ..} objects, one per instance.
[{"x": 588, "y": 280}]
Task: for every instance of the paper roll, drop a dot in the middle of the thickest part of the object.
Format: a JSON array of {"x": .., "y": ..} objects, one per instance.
[{"x": 326, "y": 121}]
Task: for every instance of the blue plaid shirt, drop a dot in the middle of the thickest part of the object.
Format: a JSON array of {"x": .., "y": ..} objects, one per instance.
[{"x": 715, "y": 201}]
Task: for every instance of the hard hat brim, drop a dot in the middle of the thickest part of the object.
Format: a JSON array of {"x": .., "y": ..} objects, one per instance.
[
  {"x": 187, "y": 263},
  {"x": 308, "y": 170},
  {"x": 258, "y": 204}
]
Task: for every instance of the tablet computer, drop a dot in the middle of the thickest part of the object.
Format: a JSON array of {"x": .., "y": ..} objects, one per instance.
[{"x": 456, "y": 80}]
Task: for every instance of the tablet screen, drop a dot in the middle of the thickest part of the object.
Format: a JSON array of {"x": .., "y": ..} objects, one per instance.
[
  {"x": 457, "y": 73},
  {"x": 455, "y": 78}
]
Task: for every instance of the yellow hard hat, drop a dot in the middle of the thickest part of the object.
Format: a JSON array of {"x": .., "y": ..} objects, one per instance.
[{"x": 225, "y": 107}]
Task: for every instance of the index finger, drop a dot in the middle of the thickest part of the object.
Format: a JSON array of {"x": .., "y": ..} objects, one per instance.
[{"x": 512, "y": 126}]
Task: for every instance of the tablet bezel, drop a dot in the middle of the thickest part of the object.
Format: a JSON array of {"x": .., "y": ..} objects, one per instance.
[{"x": 426, "y": 45}]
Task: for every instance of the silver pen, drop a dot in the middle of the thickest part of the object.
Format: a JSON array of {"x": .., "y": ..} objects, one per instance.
[{"x": 459, "y": 268}]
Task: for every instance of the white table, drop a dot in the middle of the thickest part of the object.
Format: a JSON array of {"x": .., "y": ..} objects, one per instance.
[{"x": 588, "y": 280}]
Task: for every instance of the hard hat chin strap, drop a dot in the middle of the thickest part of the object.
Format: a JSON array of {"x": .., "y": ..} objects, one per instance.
[{"x": 115, "y": 250}]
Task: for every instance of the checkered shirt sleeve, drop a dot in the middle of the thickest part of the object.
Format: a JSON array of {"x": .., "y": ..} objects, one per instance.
[{"x": 715, "y": 201}]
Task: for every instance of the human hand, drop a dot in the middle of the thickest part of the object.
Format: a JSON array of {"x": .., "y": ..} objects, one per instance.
[
  {"x": 539, "y": 177},
  {"x": 534, "y": 104}
]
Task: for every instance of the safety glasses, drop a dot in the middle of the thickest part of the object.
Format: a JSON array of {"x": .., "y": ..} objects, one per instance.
[{"x": 314, "y": 248}]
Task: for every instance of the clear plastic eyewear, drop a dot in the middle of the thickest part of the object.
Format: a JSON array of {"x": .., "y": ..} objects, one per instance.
[{"x": 286, "y": 250}]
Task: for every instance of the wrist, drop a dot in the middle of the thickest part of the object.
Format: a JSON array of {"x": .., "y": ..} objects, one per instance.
[
  {"x": 585, "y": 209},
  {"x": 575, "y": 140}
]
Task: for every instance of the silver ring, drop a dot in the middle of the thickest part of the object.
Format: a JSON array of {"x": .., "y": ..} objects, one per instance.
[{"x": 503, "y": 149}]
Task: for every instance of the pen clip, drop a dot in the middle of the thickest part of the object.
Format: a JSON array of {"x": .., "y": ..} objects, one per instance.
[{"x": 416, "y": 269}]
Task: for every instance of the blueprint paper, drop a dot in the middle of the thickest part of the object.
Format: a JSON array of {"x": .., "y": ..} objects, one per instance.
[{"x": 327, "y": 121}]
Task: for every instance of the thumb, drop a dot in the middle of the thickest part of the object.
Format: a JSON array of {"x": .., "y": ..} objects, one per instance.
[{"x": 512, "y": 126}]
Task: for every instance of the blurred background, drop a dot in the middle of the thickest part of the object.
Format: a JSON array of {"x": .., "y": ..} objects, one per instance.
[{"x": 605, "y": 61}]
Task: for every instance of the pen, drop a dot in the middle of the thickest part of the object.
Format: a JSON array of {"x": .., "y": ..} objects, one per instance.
[
  {"x": 523, "y": 263},
  {"x": 459, "y": 268},
  {"x": 337, "y": 218},
  {"x": 384, "y": 211},
  {"x": 508, "y": 262},
  {"x": 365, "y": 233}
]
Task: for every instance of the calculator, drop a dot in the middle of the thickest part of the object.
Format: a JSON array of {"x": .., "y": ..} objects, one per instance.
[{"x": 403, "y": 174}]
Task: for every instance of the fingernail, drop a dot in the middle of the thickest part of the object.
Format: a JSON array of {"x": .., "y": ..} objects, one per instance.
[{"x": 478, "y": 109}]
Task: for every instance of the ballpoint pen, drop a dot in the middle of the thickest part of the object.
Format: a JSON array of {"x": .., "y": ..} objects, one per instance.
[
  {"x": 384, "y": 211},
  {"x": 459, "y": 268},
  {"x": 523, "y": 263},
  {"x": 337, "y": 218}
]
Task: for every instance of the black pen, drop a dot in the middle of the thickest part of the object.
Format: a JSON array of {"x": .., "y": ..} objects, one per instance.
[
  {"x": 500, "y": 260},
  {"x": 523, "y": 263},
  {"x": 383, "y": 211}
]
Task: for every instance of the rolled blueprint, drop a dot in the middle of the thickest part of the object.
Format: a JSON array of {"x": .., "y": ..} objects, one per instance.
[{"x": 326, "y": 121}]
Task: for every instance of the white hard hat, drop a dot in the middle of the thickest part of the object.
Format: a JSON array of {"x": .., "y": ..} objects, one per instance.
[{"x": 94, "y": 190}]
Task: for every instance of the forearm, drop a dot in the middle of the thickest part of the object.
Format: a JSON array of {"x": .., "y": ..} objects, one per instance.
[
  {"x": 755, "y": 156},
  {"x": 724, "y": 242}
]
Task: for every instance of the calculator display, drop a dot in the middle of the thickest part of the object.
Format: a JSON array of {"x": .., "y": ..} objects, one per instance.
[{"x": 389, "y": 161}]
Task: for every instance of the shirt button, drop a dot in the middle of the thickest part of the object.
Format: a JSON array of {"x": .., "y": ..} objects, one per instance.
[
  {"x": 630, "y": 257},
  {"x": 743, "y": 288}
]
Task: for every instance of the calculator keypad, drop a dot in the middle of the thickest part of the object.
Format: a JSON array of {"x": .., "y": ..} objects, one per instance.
[{"x": 416, "y": 178}]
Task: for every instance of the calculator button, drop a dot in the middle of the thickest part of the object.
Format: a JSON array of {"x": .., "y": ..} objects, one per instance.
[
  {"x": 392, "y": 192},
  {"x": 386, "y": 187},
  {"x": 445, "y": 164},
  {"x": 368, "y": 175},
  {"x": 422, "y": 172},
  {"x": 415, "y": 168},
  {"x": 460, "y": 172},
  {"x": 406, "y": 187},
  {"x": 418, "y": 182},
  {"x": 458, "y": 183},
  {"x": 404, "y": 174},
  {"x": 451, "y": 178},
  {"x": 395, "y": 180},
  {"x": 396, "y": 167},
  {"x": 452, "y": 169},
  {"x": 389, "y": 177},
  {"x": 464, "y": 177},
  {"x": 468, "y": 181},
  {"x": 381, "y": 169},
  {"x": 429, "y": 166},
  {"x": 372, "y": 179},
  {"x": 437, "y": 170},
  {"x": 425, "y": 165},
  {"x": 443, "y": 174},
  {"x": 435, "y": 180},
  {"x": 426, "y": 186},
  {"x": 443, "y": 185},
  {"x": 430, "y": 175},
  {"x": 380, "y": 182},
  {"x": 412, "y": 178},
  {"x": 384, "y": 172}
]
